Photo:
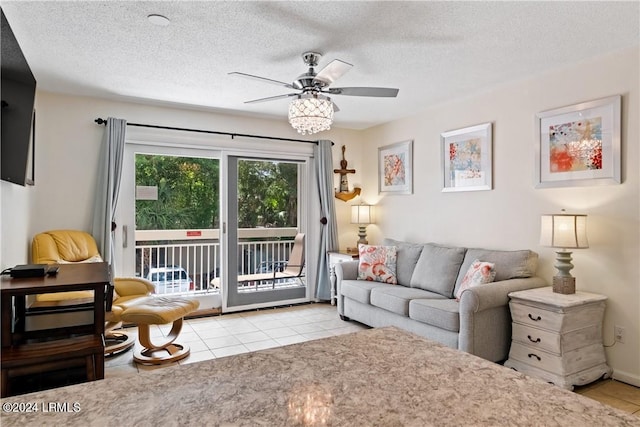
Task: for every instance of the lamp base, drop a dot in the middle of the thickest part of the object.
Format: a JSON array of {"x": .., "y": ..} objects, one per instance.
[
  {"x": 564, "y": 285},
  {"x": 362, "y": 233}
]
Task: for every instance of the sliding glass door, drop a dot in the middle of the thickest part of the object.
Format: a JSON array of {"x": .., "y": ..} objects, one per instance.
[{"x": 217, "y": 225}]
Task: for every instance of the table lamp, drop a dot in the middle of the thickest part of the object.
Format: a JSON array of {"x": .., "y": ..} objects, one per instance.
[
  {"x": 362, "y": 215},
  {"x": 564, "y": 231}
]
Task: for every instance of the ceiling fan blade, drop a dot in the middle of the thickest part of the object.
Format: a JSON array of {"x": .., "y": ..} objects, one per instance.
[
  {"x": 271, "y": 98},
  {"x": 335, "y": 107},
  {"x": 385, "y": 92},
  {"x": 333, "y": 71},
  {"x": 263, "y": 79}
]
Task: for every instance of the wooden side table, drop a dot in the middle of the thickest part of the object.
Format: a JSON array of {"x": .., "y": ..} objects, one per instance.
[
  {"x": 558, "y": 337},
  {"x": 336, "y": 258},
  {"x": 22, "y": 353}
]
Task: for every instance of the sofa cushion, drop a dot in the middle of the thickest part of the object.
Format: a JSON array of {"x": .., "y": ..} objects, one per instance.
[
  {"x": 377, "y": 263},
  {"x": 479, "y": 273},
  {"x": 442, "y": 313},
  {"x": 508, "y": 264},
  {"x": 407, "y": 257},
  {"x": 396, "y": 299},
  {"x": 360, "y": 290},
  {"x": 437, "y": 269}
]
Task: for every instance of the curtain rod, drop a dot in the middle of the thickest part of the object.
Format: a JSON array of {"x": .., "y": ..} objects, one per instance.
[{"x": 101, "y": 121}]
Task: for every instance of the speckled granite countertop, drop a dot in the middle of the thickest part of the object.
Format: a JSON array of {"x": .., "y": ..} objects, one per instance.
[{"x": 378, "y": 377}]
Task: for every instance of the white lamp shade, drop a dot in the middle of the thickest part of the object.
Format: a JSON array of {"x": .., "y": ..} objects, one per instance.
[
  {"x": 566, "y": 231},
  {"x": 362, "y": 214}
]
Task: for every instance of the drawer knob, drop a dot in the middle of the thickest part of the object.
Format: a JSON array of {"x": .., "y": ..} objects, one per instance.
[
  {"x": 535, "y": 319},
  {"x": 534, "y": 355},
  {"x": 537, "y": 340}
]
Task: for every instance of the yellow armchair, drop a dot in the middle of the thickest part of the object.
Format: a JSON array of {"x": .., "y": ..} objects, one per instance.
[
  {"x": 62, "y": 247},
  {"x": 72, "y": 246},
  {"x": 54, "y": 246}
]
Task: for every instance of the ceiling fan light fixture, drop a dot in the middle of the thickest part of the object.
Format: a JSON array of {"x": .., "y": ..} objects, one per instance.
[{"x": 311, "y": 113}]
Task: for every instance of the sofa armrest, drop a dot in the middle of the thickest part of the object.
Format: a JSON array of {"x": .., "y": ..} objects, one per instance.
[
  {"x": 485, "y": 319},
  {"x": 496, "y": 294},
  {"x": 347, "y": 270}
]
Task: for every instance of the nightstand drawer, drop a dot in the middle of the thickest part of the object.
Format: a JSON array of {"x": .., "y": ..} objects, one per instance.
[
  {"x": 562, "y": 320},
  {"x": 536, "y": 338},
  {"x": 567, "y": 364},
  {"x": 554, "y": 342},
  {"x": 534, "y": 316}
]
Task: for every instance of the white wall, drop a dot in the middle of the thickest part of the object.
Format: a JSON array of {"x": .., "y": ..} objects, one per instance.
[{"x": 508, "y": 217}]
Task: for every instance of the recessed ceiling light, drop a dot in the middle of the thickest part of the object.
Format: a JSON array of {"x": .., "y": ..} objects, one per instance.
[{"x": 159, "y": 20}]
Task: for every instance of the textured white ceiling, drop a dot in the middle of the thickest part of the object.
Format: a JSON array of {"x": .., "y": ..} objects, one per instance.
[{"x": 431, "y": 51}]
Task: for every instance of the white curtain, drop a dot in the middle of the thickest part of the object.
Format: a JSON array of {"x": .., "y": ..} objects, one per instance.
[
  {"x": 109, "y": 173},
  {"x": 329, "y": 231}
]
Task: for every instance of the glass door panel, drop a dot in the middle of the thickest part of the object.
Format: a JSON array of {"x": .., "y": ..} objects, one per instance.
[
  {"x": 263, "y": 215},
  {"x": 169, "y": 209},
  {"x": 177, "y": 208}
]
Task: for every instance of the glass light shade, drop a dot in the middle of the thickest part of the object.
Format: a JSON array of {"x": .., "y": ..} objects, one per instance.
[
  {"x": 362, "y": 214},
  {"x": 309, "y": 114},
  {"x": 567, "y": 231}
]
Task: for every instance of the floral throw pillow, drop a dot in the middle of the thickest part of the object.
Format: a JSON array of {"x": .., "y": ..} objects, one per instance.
[
  {"x": 377, "y": 263},
  {"x": 478, "y": 273}
]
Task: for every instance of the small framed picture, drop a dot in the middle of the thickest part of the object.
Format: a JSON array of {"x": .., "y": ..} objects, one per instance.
[
  {"x": 579, "y": 145},
  {"x": 467, "y": 158},
  {"x": 395, "y": 168}
]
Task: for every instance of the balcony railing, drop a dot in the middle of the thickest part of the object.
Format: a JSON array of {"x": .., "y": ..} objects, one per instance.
[{"x": 166, "y": 256}]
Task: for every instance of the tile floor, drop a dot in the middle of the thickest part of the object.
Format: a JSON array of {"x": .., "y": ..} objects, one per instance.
[{"x": 229, "y": 334}]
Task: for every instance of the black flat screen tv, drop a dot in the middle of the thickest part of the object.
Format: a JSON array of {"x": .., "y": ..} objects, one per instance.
[{"x": 17, "y": 91}]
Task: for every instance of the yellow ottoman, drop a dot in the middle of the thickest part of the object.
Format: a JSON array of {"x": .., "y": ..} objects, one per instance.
[{"x": 158, "y": 311}]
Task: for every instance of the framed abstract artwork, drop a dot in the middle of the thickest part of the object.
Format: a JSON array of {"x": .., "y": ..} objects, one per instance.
[
  {"x": 395, "y": 168},
  {"x": 467, "y": 158},
  {"x": 579, "y": 145}
]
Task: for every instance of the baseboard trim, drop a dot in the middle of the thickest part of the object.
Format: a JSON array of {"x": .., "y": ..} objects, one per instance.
[{"x": 626, "y": 377}]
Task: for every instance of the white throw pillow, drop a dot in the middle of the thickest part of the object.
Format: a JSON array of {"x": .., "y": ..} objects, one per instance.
[{"x": 478, "y": 273}]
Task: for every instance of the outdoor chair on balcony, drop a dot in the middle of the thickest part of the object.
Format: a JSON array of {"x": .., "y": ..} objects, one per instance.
[
  {"x": 73, "y": 246},
  {"x": 279, "y": 270}
]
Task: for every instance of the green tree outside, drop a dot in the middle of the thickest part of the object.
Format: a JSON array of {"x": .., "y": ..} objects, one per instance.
[
  {"x": 267, "y": 193},
  {"x": 188, "y": 193}
]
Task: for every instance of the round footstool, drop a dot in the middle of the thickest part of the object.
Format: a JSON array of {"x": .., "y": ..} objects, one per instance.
[{"x": 158, "y": 311}]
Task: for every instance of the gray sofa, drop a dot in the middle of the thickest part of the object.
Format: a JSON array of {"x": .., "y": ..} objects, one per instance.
[{"x": 423, "y": 301}]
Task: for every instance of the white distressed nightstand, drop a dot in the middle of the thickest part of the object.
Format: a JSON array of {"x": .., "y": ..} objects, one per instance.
[
  {"x": 336, "y": 258},
  {"x": 557, "y": 337}
]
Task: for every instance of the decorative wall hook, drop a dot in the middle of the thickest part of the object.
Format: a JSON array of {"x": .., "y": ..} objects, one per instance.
[{"x": 343, "y": 193}]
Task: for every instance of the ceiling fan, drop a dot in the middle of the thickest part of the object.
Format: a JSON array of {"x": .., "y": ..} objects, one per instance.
[{"x": 312, "y": 110}]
